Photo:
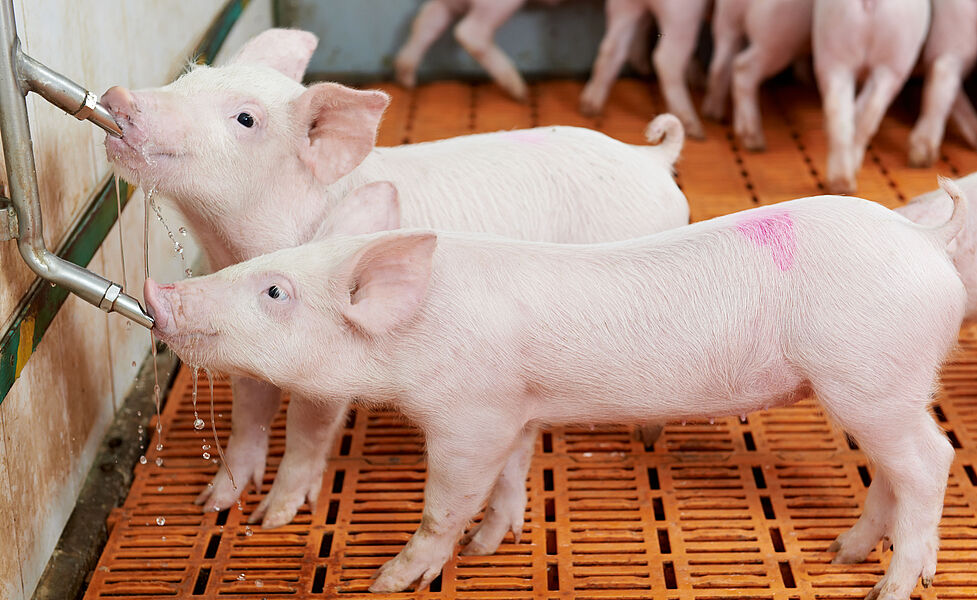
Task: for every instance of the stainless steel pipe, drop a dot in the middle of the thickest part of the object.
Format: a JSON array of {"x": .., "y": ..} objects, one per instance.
[{"x": 20, "y": 74}]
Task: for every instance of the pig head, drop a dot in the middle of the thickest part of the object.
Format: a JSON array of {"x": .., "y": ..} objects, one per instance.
[{"x": 207, "y": 140}]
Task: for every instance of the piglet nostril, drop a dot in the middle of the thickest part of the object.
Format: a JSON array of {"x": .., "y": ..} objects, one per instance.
[{"x": 119, "y": 101}]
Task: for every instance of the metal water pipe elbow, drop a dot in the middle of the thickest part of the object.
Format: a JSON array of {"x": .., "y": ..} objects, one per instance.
[{"x": 20, "y": 74}]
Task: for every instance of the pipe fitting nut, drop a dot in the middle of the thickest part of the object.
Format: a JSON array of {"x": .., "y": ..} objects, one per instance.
[
  {"x": 87, "y": 107},
  {"x": 111, "y": 295}
]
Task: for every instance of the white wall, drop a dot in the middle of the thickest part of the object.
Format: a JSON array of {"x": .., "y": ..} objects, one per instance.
[{"x": 56, "y": 414}]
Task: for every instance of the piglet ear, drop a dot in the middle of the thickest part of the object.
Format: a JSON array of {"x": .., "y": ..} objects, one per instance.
[
  {"x": 388, "y": 280},
  {"x": 285, "y": 50},
  {"x": 341, "y": 127},
  {"x": 367, "y": 209}
]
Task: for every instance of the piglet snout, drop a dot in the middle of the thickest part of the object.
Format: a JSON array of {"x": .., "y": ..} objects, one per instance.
[
  {"x": 159, "y": 307},
  {"x": 120, "y": 102}
]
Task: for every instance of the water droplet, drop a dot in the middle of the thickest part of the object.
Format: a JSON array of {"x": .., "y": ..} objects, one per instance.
[
  {"x": 712, "y": 421},
  {"x": 205, "y": 447},
  {"x": 159, "y": 461},
  {"x": 248, "y": 531},
  {"x": 241, "y": 577},
  {"x": 128, "y": 324},
  {"x": 52, "y": 284},
  {"x": 206, "y": 455},
  {"x": 188, "y": 272},
  {"x": 159, "y": 489},
  {"x": 160, "y": 521},
  {"x": 163, "y": 538},
  {"x": 139, "y": 429},
  {"x": 133, "y": 363},
  {"x": 263, "y": 428},
  {"x": 742, "y": 418},
  {"x": 210, "y": 485},
  {"x": 142, "y": 459},
  {"x": 198, "y": 424},
  {"x": 683, "y": 422},
  {"x": 259, "y": 583},
  {"x": 138, "y": 413},
  {"x": 159, "y": 447},
  {"x": 182, "y": 230}
]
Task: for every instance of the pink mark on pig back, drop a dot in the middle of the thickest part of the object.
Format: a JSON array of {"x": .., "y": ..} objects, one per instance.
[
  {"x": 774, "y": 229},
  {"x": 526, "y": 136}
]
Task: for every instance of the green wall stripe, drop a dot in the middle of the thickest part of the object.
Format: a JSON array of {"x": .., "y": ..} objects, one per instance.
[{"x": 42, "y": 302}]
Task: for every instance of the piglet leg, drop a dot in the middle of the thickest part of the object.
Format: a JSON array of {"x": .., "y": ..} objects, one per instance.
[
  {"x": 838, "y": 92},
  {"x": 431, "y": 21},
  {"x": 964, "y": 117},
  {"x": 506, "y": 509},
  {"x": 309, "y": 435},
  {"x": 941, "y": 88},
  {"x": 679, "y": 24},
  {"x": 476, "y": 33},
  {"x": 623, "y": 21},
  {"x": 463, "y": 462},
  {"x": 255, "y": 406}
]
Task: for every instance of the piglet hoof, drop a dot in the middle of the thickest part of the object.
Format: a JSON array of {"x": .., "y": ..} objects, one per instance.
[
  {"x": 841, "y": 184},
  {"x": 853, "y": 546},
  {"x": 714, "y": 108},
  {"x": 221, "y": 493},
  {"x": 517, "y": 90},
  {"x": 406, "y": 73},
  {"x": 754, "y": 141},
  {"x": 648, "y": 434},
  {"x": 484, "y": 537},
  {"x": 693, "y": 128},
  {"x": 591, "y": 101},
  {"x": 922, "y": 154},
  {"x": 397, "y": 574}
]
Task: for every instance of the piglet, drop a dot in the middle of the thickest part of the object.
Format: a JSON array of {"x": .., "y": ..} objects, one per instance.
[
  {"x": 878, "y": 38},
  {"x": 948, "y": 56},
  {"x": 479, "y": 340},
  {"x": 678, "y": 22},
  {"x": 257, "y": 162}
]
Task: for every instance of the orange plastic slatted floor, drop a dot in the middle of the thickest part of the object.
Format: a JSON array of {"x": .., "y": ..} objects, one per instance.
[{"x": 731, "y": 509}]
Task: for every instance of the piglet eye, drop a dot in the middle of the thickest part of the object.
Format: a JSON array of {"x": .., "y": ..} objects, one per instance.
[
  {"x": 277, "y": 293},
  {"x": 245, "y": 119}
]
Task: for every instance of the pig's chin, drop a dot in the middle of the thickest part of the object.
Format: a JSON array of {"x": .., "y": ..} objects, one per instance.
[
  {"x": 139, "y": 166},
  {"x": 197, "y": 349}
]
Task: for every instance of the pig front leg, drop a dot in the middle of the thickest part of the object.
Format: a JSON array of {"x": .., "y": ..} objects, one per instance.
[
  {"x": 476, "y": 33},
  {"x": 623, "y": 21},
  {"x": 309, "y": 435},
  {"x": 255, "y": 406},
  {"x": 506, "y": 509},
  {"x": 463, "y": 462},
  {"x": 432, "y": 20},
  {"x": 941, "y": 89},
  {"x": 679, "y": 24}
]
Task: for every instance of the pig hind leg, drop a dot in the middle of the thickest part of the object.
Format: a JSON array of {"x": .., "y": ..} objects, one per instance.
[
  {"x": 679, "y": 24},
  {"x": 309, "y": 435},
  {"x": 623, "y": 21},
  {"x": 941, "y": 88},
  {"x": 751, "y": 68},
  {"x": 912, "y": 459},
  {"x": 838, "y": 91},
  {"x": 873, "y": 101},
  {"x": 506, "y": 508},
  {"x": 727, "y": 33},
  {"x": 432, "y": 20},
  {"x": 964, "y": 118},
  {"x": 476, "y": 33}
]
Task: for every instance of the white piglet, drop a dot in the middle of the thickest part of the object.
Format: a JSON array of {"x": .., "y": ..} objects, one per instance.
[
  {"x": 480, "y": 340},
  {"x": 877, "y": 41},
  {"x": 257, "y": 162}
]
